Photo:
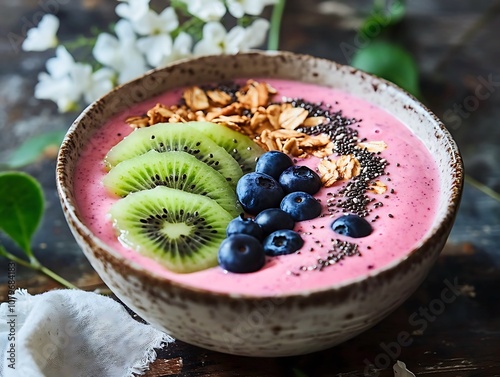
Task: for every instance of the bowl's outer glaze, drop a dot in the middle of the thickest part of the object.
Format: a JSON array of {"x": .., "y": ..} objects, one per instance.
[{"x": 265, "y": 326}]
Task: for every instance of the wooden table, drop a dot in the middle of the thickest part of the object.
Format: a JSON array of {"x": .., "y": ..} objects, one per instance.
[{"x": 456, "y": 45}]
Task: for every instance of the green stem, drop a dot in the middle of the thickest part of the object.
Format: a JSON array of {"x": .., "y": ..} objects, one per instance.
[
  {"x": 51, "y": 274},
  {"x": 79, "y": 43},
  {"x": 274, "y": 31},
  {"x": 192, "y": 26},
  {"x": 482, "y": 187},
  {"x": 34, "y": 264},
  {"x": 13, "y": 258}
]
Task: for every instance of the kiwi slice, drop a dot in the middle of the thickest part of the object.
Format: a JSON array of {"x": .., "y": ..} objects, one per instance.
[
  {"x": 180, "y": 230},
  {"x": 166, "y": 137},
  {"x": 243, "y": 149},
  {"x": 178, "y": 170}
]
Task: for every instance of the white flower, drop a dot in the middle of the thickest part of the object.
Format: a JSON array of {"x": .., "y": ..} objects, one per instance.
[
  {"x": 238, "y": 8},
  {"x": 216, "y": 40},
  {"x": 120, "y": 53},
  {"x": 255, "y": 34},
  {"x": 132, "y": 9},
  {"x": 153, "y": 23},
  {"x": 60, "y": 90},
  {"x": 155, "y": 47},
  {"x": 181, "y": 49},
  {"x": 43, "y": 36},
  {"x": 66, "y": 84},
  {"x": 206, "y": 10},
  {"x": 92, "y": 84},
  {"x": 61, "y": 64},
  {"x": 57, "y": 85},
  {"x": 157, "y": 27}
]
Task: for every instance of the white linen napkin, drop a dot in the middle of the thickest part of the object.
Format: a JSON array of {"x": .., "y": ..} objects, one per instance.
[{"x": 73, "y": 333}]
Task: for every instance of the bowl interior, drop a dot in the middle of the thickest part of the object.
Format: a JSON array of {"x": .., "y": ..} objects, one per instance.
[{"x": 275, "y": 65}]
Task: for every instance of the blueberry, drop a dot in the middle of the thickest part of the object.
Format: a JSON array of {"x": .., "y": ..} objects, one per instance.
[
  {"x": 352, "y": 226},
  {"x": 242, "y": 225},
  {"x": 257, "y": 192},
  {"x": 241, "y": 253},
  {"x": 273, "y": 163},
  {"x": 300, "y": 178},
  {"x": 282, "y": 242},
  {"x": 273, "y": 219},
  {"x": 301, "y": 206}
]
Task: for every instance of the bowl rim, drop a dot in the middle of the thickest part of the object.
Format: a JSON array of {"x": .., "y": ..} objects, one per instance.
[{"x": 433, "y": 235}]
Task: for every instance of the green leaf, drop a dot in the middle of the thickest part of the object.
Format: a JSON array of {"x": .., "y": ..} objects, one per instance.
[
  {"x": 382, "y": 17},
  {"x": 391, "y": 62},
  {"x": 21, "y": 207},
  {"x": 181, "y": 7},
  {"x": 246, "y": 21},
  {"x": 33, "y": 148}
]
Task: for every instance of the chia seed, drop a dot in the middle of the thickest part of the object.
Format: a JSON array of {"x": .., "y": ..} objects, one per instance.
[
  {"x": 345, "y": 140},
  {"x": 352, "y": 197},
  {"x": 339, "y": 251}
]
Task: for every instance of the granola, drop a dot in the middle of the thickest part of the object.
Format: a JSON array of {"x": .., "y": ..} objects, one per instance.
[
  {"x": 345, "y": 167},
  {"x": 274, "y": 126},
  {"x": 378, "y": 187},
  {"x": 373, "y": 146}
]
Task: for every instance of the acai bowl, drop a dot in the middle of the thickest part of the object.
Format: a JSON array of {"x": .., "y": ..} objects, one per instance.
[{"x": 380, "y": 155}]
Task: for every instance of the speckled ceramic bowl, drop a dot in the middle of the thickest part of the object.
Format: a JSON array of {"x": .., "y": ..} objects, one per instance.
[{"x": 259, "y": 326}]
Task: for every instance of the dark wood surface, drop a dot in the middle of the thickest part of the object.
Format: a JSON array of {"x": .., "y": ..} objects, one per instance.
[{"x": 456, "y": 46}]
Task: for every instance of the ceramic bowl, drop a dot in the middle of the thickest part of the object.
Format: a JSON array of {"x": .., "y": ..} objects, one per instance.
[{"x": 265, "y": 326}]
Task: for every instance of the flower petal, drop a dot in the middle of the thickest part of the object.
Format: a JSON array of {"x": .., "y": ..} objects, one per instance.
[
  {"x": 255, "y": 7},
  {"x": 181, "y": 49},
  {"x": 125, "y": 32},
  {"x": 238, "y": 8},
  {"x": 132, "y": 9},
  {"x": 133, "y": 65},
  {"x": 255, "y": 34},
  {"x": 207, "y": 47},
  {"x": 214, "y": 32},
  {"x": 60, "y": 90},
  {"x": 183, "y": 43},
  {"x": 106, "y": 50},
  {"x": 169, "y": 20},
  {"x": 81, "y": 74},
  {"x": 206, "y": 10},
  {"x": 61, "y": 64},
  {"x": 101, "y": 83},
  {"x": 43, "y": 36},
  {"x": 147, "y": 24},
  {"x": 155, "y": 47},
  {"x": 235, "y": 7},
  {"x": 234, "y": 40}
]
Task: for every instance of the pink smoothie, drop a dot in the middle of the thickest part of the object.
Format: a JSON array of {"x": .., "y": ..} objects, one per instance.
[{"x": 404, "y": 219}]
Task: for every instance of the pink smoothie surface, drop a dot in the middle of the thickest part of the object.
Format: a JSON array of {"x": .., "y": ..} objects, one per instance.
[{"x": 403, "y": 220}]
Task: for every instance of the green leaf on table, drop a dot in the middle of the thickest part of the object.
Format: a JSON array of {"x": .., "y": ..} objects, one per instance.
[
  {"x": 391, "y": 62},
  {"x": 21, "y": 207},
  {"x": 33, "y": 148}
]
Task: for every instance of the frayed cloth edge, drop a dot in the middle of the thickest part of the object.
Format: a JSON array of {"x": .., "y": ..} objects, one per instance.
[{"x": 142, "y": 365}]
